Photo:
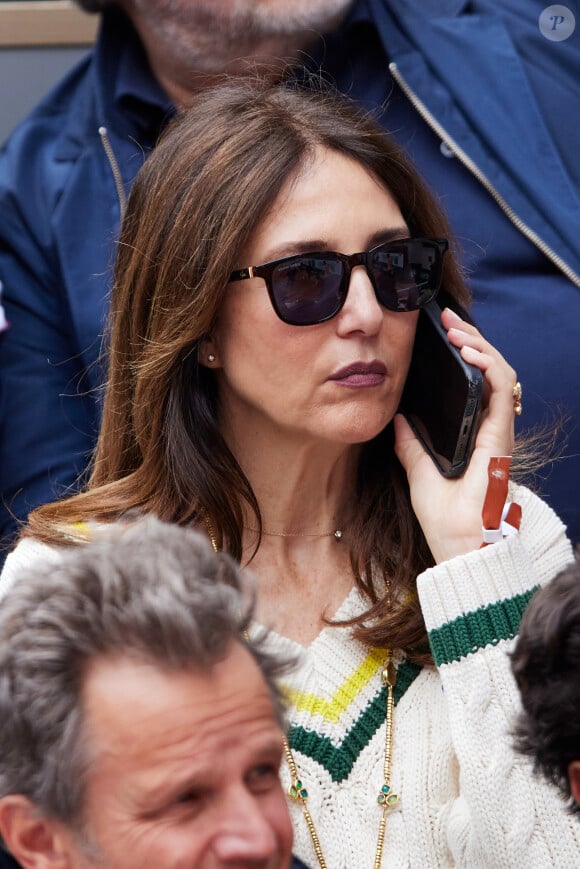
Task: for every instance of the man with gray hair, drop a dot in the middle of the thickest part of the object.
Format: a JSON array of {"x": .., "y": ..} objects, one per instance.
[{"x": 141, "y": 725}]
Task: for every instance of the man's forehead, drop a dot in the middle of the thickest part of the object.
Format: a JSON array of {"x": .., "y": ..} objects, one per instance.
[{"x": 131, "y": 705}]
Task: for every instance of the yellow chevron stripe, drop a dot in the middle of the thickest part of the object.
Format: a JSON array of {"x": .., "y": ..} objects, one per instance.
[
  {"x": 331, "y": 710},
  {"x": 79, "y": 531}
]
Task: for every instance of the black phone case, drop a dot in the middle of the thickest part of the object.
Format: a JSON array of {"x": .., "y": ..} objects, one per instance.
[{"x": 442, "y": 395}]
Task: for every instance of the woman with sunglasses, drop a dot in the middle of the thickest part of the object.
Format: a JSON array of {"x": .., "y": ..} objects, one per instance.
[{"x": 275, "y": 254}]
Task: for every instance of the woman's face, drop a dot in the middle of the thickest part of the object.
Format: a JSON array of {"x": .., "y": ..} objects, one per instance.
[{"x": 297, "y": 381}]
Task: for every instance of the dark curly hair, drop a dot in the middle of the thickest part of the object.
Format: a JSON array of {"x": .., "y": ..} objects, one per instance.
[{"x": 546, "y": 665}]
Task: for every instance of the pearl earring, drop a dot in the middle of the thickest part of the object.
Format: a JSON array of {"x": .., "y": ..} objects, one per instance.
[{"x": 210, "y": 357}]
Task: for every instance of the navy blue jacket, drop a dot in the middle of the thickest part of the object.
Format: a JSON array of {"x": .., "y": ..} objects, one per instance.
[{"x": 484, "y": 100}]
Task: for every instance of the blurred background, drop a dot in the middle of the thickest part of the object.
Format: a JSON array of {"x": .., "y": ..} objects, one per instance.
[{"x": 39, "y": 41}]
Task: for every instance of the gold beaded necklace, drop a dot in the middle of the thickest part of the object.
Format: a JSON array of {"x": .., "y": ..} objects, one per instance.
[{"x": 386, "y": 799}]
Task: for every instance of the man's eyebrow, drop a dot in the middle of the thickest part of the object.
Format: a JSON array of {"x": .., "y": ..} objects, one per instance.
[
  {"x": 168, "y": 787},
  {"x": 316, "y": 245},
  {"x": 195, "y": 775}
]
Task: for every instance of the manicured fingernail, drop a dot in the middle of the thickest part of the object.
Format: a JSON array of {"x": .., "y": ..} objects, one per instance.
[{"x": 453, "y": 314}]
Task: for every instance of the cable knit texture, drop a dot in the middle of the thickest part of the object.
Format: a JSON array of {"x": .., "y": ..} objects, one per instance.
[{"x": 465, "y": 799}]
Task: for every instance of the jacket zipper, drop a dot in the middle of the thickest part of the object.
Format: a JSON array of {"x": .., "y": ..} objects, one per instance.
[
  {"x": 114, "y": 169},
  {"x": 483, "y": 179}
]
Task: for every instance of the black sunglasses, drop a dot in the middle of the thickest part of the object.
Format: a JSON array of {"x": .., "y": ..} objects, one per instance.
[{"x": 311, "y": 288}]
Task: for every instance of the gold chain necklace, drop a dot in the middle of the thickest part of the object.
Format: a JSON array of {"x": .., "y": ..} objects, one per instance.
[
  {"x": 386, "y": 799},
  {"x": 337, "y": 533}
]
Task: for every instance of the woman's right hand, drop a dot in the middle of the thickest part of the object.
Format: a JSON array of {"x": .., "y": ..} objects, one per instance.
[{"x": 449, "y": 510}]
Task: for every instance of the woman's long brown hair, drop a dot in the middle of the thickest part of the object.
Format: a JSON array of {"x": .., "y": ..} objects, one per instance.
[{"x": 194, "y": 205}]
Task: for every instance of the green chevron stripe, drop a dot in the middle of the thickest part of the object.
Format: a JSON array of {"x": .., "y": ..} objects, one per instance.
[
  {"x": 339, "y": 761},
  {"x": 486, "y": 626}
]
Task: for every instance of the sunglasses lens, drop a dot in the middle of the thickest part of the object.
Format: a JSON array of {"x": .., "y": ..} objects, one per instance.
[
  {"x": 308, "y": 290},
  {"x": 406, "y": 275}
]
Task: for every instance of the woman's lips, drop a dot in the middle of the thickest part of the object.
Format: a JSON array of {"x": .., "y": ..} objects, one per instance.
[{"x": 360, "y": 374}]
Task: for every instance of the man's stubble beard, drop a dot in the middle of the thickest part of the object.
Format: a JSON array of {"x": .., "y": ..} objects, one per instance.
[{"x": 209, "y": 36}]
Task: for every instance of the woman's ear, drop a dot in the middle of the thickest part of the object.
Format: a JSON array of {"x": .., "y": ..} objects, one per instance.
[{"x": 207, "y": 353}]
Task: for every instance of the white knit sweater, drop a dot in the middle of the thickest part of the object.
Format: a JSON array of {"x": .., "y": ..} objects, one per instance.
[{"x": 465, "y": 799}]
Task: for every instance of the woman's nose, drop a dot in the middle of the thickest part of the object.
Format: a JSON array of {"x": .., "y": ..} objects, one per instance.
[{"x": 361, "y": 311}]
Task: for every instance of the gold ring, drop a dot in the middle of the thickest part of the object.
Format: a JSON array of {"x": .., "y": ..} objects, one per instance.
[{"x": 517, "y": 397}]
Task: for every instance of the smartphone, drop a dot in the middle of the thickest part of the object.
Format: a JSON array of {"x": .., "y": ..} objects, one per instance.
[{"x": 442, "y": 395}]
